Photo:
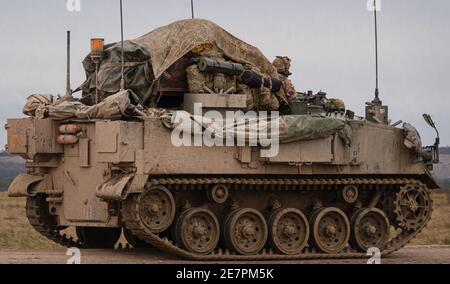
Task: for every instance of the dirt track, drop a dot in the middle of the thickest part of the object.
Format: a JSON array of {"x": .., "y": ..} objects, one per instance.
[{"x": 408, "y": 255}]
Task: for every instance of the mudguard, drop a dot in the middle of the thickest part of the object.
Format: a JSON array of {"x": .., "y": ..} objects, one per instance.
[
  {"x": 113, "y": 188},
  {"x": 20, "y": 187}
]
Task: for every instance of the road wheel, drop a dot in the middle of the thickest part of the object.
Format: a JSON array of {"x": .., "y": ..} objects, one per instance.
[
  {"x": 198, "y": 231},
  {"x": 330, "y": 230},
  {"x": 246, "y": 231},
  {"x": 370, "y": 228},
  {"x": 288, "y": 231},
  {"x": 156, "y": 208}
]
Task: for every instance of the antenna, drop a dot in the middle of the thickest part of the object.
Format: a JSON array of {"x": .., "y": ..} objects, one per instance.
[
  {"x": 192, "y": 9},
  {"x": 375, "y": 110},
  {"x": 377, "y": 92},
  {"x": 68, "y": 95},
  {"x": 122, "y": 81}
]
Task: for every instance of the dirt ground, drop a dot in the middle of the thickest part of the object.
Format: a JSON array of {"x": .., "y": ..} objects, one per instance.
[
  {"x": 19, "y": 243},
  {"x": 408, "y": 255}
]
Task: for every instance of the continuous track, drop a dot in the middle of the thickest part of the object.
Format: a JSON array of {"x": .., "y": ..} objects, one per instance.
[
  {"x": 42, "y": 221},
  {"x": 131, "y": 219}
]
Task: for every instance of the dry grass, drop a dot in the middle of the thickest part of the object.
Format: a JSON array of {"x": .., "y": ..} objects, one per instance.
[
  {"x": 437, "y": 231},
  {"x": 16, "y": 233}
]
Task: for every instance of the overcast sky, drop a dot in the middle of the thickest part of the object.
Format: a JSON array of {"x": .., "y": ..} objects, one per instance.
[{"x": 329, "y": 41}]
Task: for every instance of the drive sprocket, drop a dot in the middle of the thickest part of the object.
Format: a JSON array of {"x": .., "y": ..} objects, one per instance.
[{"x": 412, "y": 206}]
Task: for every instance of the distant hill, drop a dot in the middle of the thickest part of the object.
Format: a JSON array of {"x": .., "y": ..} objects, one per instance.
[
  {"x": 444, "y": 150},
  {"x": 10, "y": 167}
]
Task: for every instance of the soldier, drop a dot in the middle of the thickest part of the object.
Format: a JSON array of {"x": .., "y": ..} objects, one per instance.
[{"x": 283, "y": 65}]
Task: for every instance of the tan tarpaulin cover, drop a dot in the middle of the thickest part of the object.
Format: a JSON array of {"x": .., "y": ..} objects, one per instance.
[
  {"x": 412, "y": 138},
  {"x": 168, "y": 44},
  {"x": 36, "y": 104},
  {"x": 112, "y": 107}
]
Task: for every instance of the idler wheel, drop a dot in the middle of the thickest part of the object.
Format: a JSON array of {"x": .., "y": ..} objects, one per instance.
[
  {"x": 156, "y": 208},
  {"x": 330, "y": 230},
  {"x": 246, "y": 231},
  {"x": 288, "y": 231},
  {"x": 198, "y": 231},
  {"x": 370, "y": 228}
]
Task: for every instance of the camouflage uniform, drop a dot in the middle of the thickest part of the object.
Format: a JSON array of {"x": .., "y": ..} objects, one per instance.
[{"x": 283, "y": 65}]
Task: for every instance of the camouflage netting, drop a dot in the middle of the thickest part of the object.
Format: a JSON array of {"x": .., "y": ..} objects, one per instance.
[
  {"x": 168, "y": 44},
  {"x": 149, "y": 56},
  {"x": 292, "y": 128}
]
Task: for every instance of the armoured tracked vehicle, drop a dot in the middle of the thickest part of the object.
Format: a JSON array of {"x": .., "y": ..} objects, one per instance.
[{"x": 338, "y": 185}]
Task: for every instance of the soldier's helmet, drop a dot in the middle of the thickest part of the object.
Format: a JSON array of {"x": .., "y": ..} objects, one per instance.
[
  {"x": 335, "y": 105},
  {"x": 283, "y": 65}
]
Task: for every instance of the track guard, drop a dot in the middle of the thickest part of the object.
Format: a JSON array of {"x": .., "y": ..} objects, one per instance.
[
  {"x": 114, "y": 188},
  {"x": 20, "y": 187}
]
